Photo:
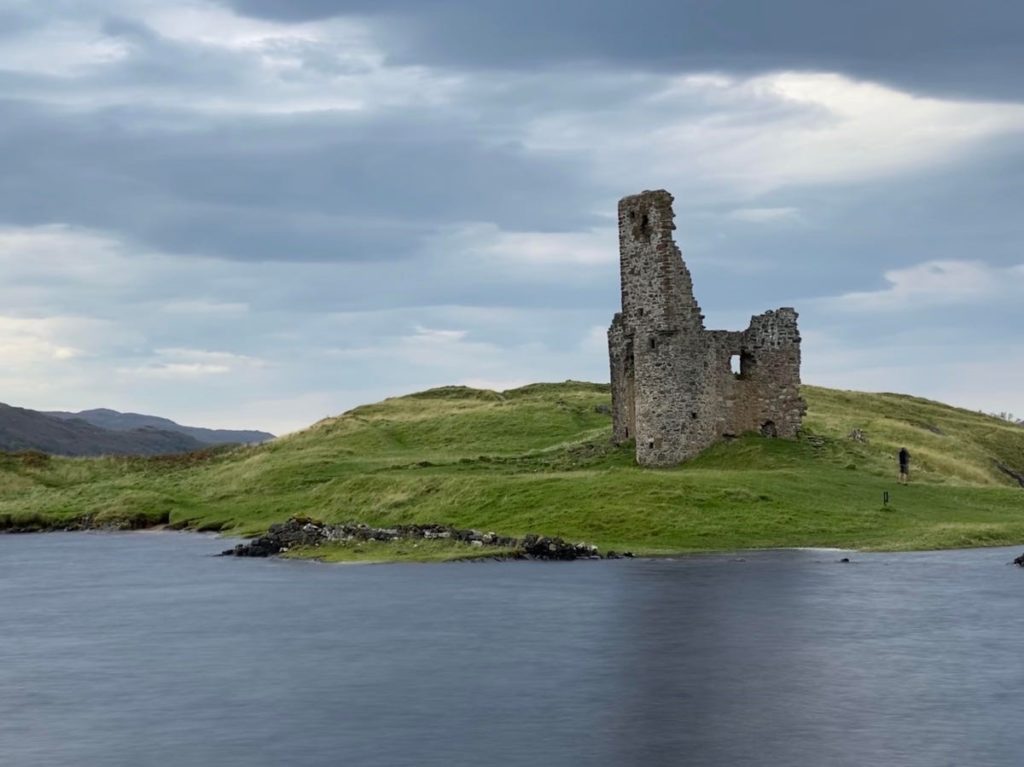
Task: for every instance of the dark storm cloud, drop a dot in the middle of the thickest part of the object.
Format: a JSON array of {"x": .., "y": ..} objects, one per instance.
[{"x": 964, "y": 47}]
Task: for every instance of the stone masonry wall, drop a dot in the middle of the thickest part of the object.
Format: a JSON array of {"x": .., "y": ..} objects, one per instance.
[{"x": 673, "y": 387}]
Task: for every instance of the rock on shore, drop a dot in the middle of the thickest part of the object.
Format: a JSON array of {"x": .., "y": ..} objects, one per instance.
[{"x": 306, "y": 532}]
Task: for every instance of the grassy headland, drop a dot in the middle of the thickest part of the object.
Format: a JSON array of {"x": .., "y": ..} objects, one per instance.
[{"x": 538, "y": 459}]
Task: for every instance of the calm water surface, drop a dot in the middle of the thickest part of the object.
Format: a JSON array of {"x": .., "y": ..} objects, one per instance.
[{"x": 142, "y": 649}]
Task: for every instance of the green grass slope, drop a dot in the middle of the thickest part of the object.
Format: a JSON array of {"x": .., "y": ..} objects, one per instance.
[{"x": 538, "y": 459}]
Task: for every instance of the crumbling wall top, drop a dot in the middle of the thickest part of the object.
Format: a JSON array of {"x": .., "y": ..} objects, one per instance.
[{"x": 657, "y": 290}]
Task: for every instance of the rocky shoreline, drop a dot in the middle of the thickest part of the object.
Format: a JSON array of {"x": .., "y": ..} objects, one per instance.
[
  {"x": 309, "y": 533},
  {"x": 86, "y": 522}
]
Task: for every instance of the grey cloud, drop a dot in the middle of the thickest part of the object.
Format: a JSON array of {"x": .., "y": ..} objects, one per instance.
[
  {"x": 848, "y": 235},
  {"x": 16, "y": 21},
  {"x": 378, "y": 194},
  {"x": 269, "y": 188},
  {"x": 309, "y": 214},
  {"x": 326, "y": 185},
  {"x": 154, "y": 61},
  {"x": 964, "y": 47}
]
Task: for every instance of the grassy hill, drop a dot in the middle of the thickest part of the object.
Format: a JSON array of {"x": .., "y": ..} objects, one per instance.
[{"x": 538, "y": 459}]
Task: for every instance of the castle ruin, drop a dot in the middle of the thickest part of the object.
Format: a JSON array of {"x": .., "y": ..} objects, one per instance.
[{"x": 676, "y": 387}]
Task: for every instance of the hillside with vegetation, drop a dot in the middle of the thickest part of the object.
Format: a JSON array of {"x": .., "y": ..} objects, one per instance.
[{"x": 539, "y": 459}]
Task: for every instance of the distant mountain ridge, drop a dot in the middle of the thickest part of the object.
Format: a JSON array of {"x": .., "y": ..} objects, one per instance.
[
  {"x": 114, "y": 420},
  {"x": 108, "y": 432},
  {"x": 22, "y": 429}
]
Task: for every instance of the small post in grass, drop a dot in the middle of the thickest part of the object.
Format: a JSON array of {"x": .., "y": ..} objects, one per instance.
[{"x": 885, "y": 498}]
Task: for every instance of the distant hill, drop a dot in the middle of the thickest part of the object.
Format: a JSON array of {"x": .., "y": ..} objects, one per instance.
[
  {"x": 22, "y": 429},
  {"x": 116, "y": 421}
]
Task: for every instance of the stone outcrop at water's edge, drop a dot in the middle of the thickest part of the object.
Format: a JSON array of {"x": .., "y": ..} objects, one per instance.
[{"x": 308, "y": 533}]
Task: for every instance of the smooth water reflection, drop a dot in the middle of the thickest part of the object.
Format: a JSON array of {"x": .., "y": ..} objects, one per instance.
[{"x": 141, "y": 649}]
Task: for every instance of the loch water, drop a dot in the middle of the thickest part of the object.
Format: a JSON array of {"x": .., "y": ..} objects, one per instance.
[{"x": 144, "y": 649}]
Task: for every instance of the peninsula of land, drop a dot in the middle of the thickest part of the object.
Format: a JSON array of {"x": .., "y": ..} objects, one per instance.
[{"x": 540, "y": 460}]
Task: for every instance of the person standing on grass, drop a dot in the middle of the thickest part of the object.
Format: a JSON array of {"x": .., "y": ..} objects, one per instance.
[{"x": 904, "y": 466}]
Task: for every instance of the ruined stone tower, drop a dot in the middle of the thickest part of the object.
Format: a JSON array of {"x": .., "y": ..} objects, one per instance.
[{"x": 674, "y": 389}]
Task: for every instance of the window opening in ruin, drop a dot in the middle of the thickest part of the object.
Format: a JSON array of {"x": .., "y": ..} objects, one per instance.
[
  {"x": 747, "y": 365},
  {"x": 652, "y": 342},
  {"x": 768, "y": 429},
  {"x": 734, "y": 363},
  {"x": 693, "y": 415},
  {"x": 643, "y": 229},
  {"x": 650, "y": 444}
]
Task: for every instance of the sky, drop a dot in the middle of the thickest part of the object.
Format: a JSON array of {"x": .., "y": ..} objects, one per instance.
[{"x": 259, "y": 213}]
